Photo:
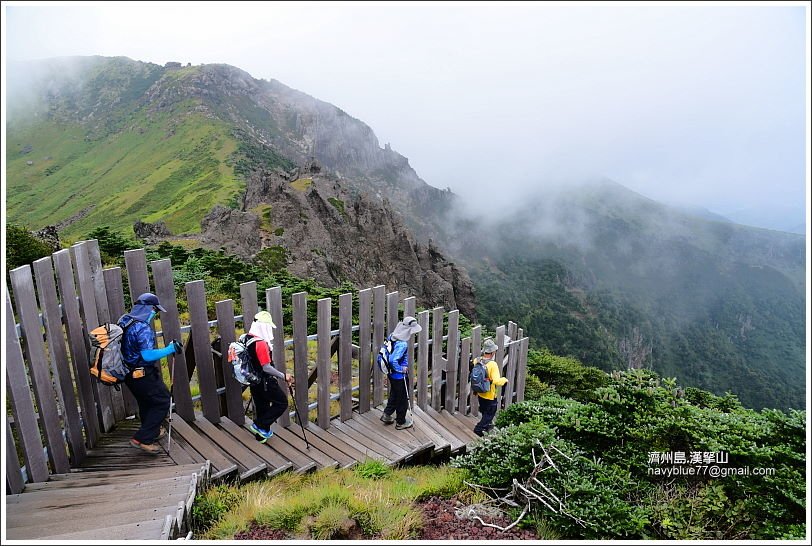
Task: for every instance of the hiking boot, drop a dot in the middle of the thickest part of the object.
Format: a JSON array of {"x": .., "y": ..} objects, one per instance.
[
  {"x": 261, "y": 435},
  {"x": 405, "y": 424},
  {"x": 161, "y": 434},
  {"x": 152, "y": 449},
  {"x": 387, "y": 419}
]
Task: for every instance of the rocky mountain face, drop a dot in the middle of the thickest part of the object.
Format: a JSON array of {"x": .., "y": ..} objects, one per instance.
[{"x": 325, "y": 232}]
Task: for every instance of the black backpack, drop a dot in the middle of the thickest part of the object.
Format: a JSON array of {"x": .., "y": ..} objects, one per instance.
[{"x": 479, "y": 378}]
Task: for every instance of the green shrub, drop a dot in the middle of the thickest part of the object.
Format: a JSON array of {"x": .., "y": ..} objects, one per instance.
[
  {"x": 372, "y": 469},
  {"x": 213, "y": 504},
  {"x": 22, "y": 248}
]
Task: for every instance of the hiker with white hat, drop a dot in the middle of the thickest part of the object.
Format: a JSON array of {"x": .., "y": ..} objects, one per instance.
[
  {"x": 487, "y": 399},
  {"x": 398, "y": 401},
  {"x": 270, "y": 401}
]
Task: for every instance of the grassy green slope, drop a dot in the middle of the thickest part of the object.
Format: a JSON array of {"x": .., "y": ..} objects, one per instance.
[{"x": 171, "y": 167}]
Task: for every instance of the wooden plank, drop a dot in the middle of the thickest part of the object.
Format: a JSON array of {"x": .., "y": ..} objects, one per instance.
[
  {"x": 77, "y": 344},
  {"x": 115, "y": 300},
  {"x": 222, "y": 465},
  {"x": 248, "y": 301},
  {"x": 233, "y": 395},
  {"x": 353, "y": 451},
  {"x": 512, "y": 328},
  {"x": 143, "y": 530},
  {"x": 500, "y": 359},
  {"x": 452, "y": 425},
  {"x": 392, "y": 319},
  {"x": 273, "y": 299},
  {"x": 378, "y": 303},
  {"x": 371, "y": 448},
  {"x": 250, "y": 465},
  {"x": 326, "y": 447},
  {"x": 179, "y": 451},
  {"x": 14, "y": 477},
  {"x": 87, "y": 304},
  {"x": 420, "y": 434},
  {"x": 452, "y": 362},
  {"x": 364, "y": 349},
  {"x": 521, "y": 369},
  {"x": 510, "y": 388},
  {"x": 476, "y": 352},
  {"x": 170, "y": 325},
  {"x": 437, "y": 360},
  {"x": 401, "y": 438},
  {"x": 135, "y": 261},
  {"x": 273, "y": 460},
  {"x": 92, "y": 494},
  {"x": 373, "y": 441},
  {"x": 285, "y": 435},
  {"x": 75, "y": 479},
  {"x": 409, "y": 308},
  {"x": 427, "y": 418},
  {"x": 46, "y": 287},
  {"x": 196, "y": 297},
  {"x": 103, "y": 311},
  {"x": 300, "y": 352},
  {"x": 464, "y": 385},
  {"x": 323, "y": 328},
  {"x": 423, "y": 360},
  {"x": 345, "y": 355},
  {"x": 38, "y": 367}
]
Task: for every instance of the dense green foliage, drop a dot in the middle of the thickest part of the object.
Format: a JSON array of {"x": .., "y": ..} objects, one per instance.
[
  {"x": 606, "y": 447},
  {"x": 22, "y": 247}
]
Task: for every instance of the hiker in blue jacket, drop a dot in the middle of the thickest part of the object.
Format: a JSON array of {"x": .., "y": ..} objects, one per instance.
[
  {"x": 398, "y": 401},
  {"x": 141, "y": 355}
]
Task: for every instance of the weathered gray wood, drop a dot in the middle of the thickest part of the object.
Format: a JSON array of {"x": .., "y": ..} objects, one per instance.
[
  {"x": 510, "y": 388},
  {"x": 38, "y": 368},
  {"x": 378, "y": 310},
  {"x": 512, "y": 328},
  {"x": 520, "y": 333},
  {"x": 77, "y": 344},
  {"x": 345, "y": 355},
  {"x": 196, "y": 298},
  {"x": 87, "y": 305},
  {"x": 115, "y": 300},
  {"x": 409, "y": 308},
  {"x": 46, "y": 287},
  {"x": 248, "y": 301},
  {"x": 324, "y": 327},
  {"x": 273, "y": 298},
  {"x": 476, "y": 352},
  {"x": 437, "y": 360},
  {"x": 364, "y": 349},
  {"x": 521, "y": 369},
  {"x": 500, "y": 359},
  {"x": 14, "y": 477},
  {"x": 392, "y": 319},
  {"x": 452, "y": 361},
  {"x": 226, "y": 327},
  {"x": 170, "y": 325},
  {"x": 465, "y": 386},
  {"x": 300, "y": 352},
  {"x": 22, "y": 404},
  {"x": 423, "y": 360},
  {"x": 135, "y": 261},
  {"x": 103, "y": 311}
]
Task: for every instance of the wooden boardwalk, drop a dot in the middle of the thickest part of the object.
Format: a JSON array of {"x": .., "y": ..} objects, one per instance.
[{"x": 70, "y": 472}]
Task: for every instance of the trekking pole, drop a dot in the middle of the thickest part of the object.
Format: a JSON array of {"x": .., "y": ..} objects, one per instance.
[
  {"x": 299, "y": 417},
  {"x": 408, "y": 394},
  {"x": 171, "y": 396}
]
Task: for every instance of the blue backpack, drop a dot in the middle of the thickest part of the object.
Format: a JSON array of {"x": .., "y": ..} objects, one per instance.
[{"x": 479, "y": 378}]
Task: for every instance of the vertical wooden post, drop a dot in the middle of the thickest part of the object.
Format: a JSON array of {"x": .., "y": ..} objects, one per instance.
[
  {"x": 513, "y": 356},
  {"x": 476, "y": 352},
  {"x": 364, "y": 349},
  {"x": 345, "y": 355},
  {"x": 409, "y": 308},
  {"x": 225, "y": 327},
  {"x": 248, "y": 300},
  {"x": 378, "y": 335},
  {"x": 273, "y": 300},
  {"x": 392, "y": 319},
  {"x": 196, "y": 297},
  {"x": 77, "y": 344},
  {"x": 14, "y": 476},
  {"x": 452, "y": 361},
  {"x": 323, "y": 328},
  {"x": 135, "y": 261},
  {"x": 521, "y": 369},
  {"x": 437, "y": 361},
  {"x": 87, "y": 299},
  {"x": 423, "y": 360},
  {"x": 500, "y": 360},
  {"x": 115, "y": 299},
  {"x": 301, "y": 371},
  {"x": 21, "y": 403},
  {"x": 170, "y": 324},
  {"x": 46, "y": 287},
  {"x": 38, "y": 367},
  {"x": 465, "y": 354}
]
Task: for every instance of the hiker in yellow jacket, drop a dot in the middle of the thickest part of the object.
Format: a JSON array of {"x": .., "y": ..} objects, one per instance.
[{"x": 487, "y": 400}]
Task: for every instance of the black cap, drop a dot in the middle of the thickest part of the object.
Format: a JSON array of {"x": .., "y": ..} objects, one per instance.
[{"x": 148, "y": 298}]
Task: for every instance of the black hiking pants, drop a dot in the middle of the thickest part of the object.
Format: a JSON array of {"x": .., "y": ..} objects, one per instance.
[
  {"x": 270, "y": 402},
  {"x": 398, "y": 400},
  {"x": 153, "y": 402},
  {"x": 487, "y": 408}
]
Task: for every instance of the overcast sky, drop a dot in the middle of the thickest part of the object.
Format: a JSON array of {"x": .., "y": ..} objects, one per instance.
[{"x": 698, "y": 104}]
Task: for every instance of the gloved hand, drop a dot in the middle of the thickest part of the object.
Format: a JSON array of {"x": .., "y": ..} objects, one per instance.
[{"x": 178, "y": 346}]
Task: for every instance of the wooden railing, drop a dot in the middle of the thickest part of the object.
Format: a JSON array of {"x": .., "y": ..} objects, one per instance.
[{"x": 63, "y": 407}]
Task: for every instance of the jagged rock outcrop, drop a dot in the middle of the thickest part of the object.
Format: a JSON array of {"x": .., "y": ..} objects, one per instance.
[
  {"x": 50, "y": 236},
  {"x": 333, "y": 235},
  {"x": 151, "y": 233}
]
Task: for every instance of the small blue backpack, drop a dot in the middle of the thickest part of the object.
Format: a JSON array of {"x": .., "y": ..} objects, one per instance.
[{"x": 479, "y": 378}]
